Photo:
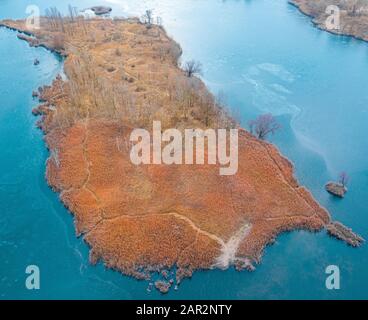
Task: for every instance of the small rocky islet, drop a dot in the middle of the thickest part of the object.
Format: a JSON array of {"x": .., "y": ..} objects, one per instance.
[
  {"x": 101, "y": 10},
  {"x": 336, "y": 189}
]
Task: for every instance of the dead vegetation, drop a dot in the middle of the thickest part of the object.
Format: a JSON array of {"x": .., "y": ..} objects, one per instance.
[
  {"x": 353, "y": 8},
  {"x": 126, "y": 70}
]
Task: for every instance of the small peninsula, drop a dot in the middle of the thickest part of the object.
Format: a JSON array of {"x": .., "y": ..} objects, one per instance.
[
  {"x": 353, "y": 15},
  {"x": 123, "y": 74}
]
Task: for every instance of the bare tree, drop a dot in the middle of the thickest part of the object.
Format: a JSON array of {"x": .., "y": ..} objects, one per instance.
[
  {"x": 263, "y": 126},
  {"x": 71, "y": 13},
  {"x": 344, "y": 179},
  {"x": 192, "y": 68},
  {"x": 55, "y": 19},
  {"x": 61, "y": 21},
  {"x": 148, "y": 18},
  {"x": 51, "y": 16},
  {"x": 159, "y": 21}
]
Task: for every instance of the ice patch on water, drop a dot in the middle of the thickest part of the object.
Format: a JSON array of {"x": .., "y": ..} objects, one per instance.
[
  {"x": 253, "y": 71},
  {"x": 280, "y": 88},
  {"x": 278, "y": 71},
  {"x": 271, "y": 97}
]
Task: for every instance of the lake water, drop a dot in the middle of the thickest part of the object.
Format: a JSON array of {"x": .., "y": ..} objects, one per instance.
[{"x": 265, "y": 56}]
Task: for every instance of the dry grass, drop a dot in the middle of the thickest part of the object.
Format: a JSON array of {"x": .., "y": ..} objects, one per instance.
[{"x": 121, "y": 70}]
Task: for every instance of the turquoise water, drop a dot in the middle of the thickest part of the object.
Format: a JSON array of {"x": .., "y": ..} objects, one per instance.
[{"x": 264, "y": 56}]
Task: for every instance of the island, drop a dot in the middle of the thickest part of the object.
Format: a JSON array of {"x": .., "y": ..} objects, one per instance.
[
  {"x": 353, "y": 17},
  {"x": 101, "y": 10},
  {"x": 336, "y": 189},
  {"x": 156, "y": 219}
]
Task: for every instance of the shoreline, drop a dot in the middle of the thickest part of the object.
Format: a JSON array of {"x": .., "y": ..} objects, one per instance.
[
  {"x": 285, "y": 166},
  {"x": 31, "y": 39},
  {"x": 320, "y": 25}
]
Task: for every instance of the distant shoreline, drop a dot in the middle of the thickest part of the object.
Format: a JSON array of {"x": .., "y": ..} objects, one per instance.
[{"x": 318, "y": 20}]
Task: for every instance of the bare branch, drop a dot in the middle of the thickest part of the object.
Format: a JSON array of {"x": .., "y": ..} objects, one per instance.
[{"x": 263, "y": 126}]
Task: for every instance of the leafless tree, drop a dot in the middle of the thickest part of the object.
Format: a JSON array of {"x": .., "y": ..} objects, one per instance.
[
  {"x": 148, "y": 18},
  {"x": 192, "y": 68},
  {"x": 344, "y": 178},
  {"x": 55, "y": 19},
  {"x": 263, "y": 126},
  {"x": 71, "y": 13},
  {"x": 159, "y": 21},
  {"x": 51, "y": 17}
]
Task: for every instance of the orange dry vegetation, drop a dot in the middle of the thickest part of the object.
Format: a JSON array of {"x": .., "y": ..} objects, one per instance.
[
  {"x": 159, "y": 216},
  {"x": 143, "y": 218}
]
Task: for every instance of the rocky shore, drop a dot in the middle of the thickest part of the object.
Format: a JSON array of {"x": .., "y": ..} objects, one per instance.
[
  {"x": 29, "y": 36},
  {"x": 146, "y": 219},
  {"x": 353, "y": 16},
  {"x": 336, "y": 189},
  {"x": 101, "y": 10},
  {"x": 339, "y": 231}
]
